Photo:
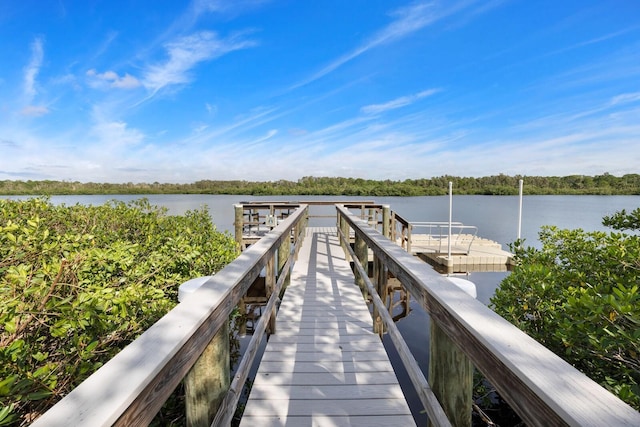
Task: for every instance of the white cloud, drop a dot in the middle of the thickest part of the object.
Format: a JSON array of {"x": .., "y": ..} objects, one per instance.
[
  {"x": 211, "y": 109},
  {"x": 113, "y": 133},
  {"x": 224, "y": 6},
  {"x": 185, "y": 53},
  {"x": 34, "y": 110},
  {"x": 407, "y": 21},
  {"x": 117, "y": 133},
  {"x": 397, "y": 103},
  {"x": 626, "y": 98},
  {"x": 32, "y": 69},
  {"x": 112, "y": 79}
]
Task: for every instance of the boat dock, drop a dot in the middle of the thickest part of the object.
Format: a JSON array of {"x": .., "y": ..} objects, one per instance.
[
  {"x": 451, "y": 247},
  {"x": 325, "y": 366},
  {"x": 468, "y": 252}
]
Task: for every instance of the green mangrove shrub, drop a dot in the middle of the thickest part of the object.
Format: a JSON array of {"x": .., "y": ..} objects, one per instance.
[
  {"x": 78, "y": 283},
  {"x": 578, "y": 295}
]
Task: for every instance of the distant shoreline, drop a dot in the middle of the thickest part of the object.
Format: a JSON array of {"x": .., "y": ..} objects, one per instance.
[{"x": 605, "y": 184}]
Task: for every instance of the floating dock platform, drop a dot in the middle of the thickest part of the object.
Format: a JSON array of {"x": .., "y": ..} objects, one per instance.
[{"x": 468, "y": 252}]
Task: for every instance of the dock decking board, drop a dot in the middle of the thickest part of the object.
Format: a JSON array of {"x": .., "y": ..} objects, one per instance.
[{"x": 325, "y": 366}]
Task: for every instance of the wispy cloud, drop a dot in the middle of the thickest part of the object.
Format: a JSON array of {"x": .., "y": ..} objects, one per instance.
[
  {"x": 398, "y": 102},
  {"x": 407, "y": 20},
  {"x": 32, "y": 69},
  {"x": 34, "y": 110},
  {"x": 198, "y": 9},
  {"x": 112, "y": 79},
  {"x": 106, "y": 43},
  {"x": 30, "y": 86},
  {"x": 113, "y": 133},
  {"x": 225, "y": 6},
  {"x": 187, "y": 52},
  {"x": 8, "y": 143},
  {"x": 626, "y": 98}
]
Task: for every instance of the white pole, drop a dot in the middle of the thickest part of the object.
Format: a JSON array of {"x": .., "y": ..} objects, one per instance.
[
  {"x": 520, "y": 212},
  {"x": 450, "y": 210}
]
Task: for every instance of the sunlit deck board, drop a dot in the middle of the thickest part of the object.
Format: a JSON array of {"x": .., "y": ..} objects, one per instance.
[{"x": 325, "y": 366}]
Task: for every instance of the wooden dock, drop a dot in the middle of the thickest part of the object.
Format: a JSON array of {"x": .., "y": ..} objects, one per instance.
[{"x": 325, "y": 366}]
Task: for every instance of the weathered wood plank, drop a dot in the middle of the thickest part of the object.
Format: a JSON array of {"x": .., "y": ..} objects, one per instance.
[
  {"x": 326, "y": 339},
  {"x": 292, "y": 348},
  {"x": 334, "y": 421},
  {"x": 335, "y": 355},
  {"x": 324, "y": 329},
  {"x": 325, "y": 378},
  {"x": 344, "y": 407},
  {"x": 326, "y": 366},
  {"x": 327, "y": 392}
]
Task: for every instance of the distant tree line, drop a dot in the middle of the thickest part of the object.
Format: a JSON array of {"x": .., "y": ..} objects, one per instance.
[{"x": 605, "y": 184}]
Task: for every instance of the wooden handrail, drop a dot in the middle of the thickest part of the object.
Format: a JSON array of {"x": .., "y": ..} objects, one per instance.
[
  {"x": 541, "y": 387},
  {"x": 132, "y": 387},
  {"x": 434, "y": 410}
]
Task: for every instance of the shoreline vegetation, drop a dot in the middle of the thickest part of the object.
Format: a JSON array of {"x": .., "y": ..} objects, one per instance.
[
  {"x": 78, "y": 283},
  {"x": 605, "y": 184}
]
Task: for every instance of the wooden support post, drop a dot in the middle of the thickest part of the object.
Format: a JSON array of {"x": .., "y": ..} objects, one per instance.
[
  {"x": 450, "y": 377},
  {"x": 344, "y": 226},
  {"x": 283, "y": 256},
  {"x": 270, "y": 284},
  {"x": 362, "y": 253},
  {"x": 372, "y": 218},
  {"x": 242, "y": 310},
  {"x": 208, "y": 381},
  {"x": 380, "y": 277},
  {"x": 386, "y": 221},
  {"x": 239, "y": 225}
]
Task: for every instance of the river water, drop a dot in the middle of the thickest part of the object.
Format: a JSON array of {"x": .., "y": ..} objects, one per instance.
[{"x": 495, "y": 216}]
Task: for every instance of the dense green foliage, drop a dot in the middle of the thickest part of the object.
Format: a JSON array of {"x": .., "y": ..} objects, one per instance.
[
  {"x": 605, "y": 184},
  {"x": 578, "y": 295},
  {"x": 79, "y": 283}
]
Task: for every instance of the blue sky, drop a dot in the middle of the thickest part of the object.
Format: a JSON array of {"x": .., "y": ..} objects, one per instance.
[{"x": 261, "y": 90}]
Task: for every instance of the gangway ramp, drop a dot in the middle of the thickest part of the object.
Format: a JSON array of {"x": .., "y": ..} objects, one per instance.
[{"x": 325, "y": 366}]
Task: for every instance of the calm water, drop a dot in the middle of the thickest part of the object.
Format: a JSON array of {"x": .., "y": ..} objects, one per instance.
[{"x": 495, "y": 216}]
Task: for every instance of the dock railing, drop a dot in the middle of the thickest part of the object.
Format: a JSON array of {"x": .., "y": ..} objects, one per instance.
[
  {"x": 437, "y": 233},
  {"x": 190, "y": 343},
  {"x": 541, "y": 388}
]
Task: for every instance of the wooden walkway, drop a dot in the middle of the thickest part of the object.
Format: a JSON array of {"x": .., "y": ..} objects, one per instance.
[{"x": 325, "y": 366}]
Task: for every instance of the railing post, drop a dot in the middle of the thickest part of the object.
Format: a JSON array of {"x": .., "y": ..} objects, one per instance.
[
  {"x": 239, "y": 225},
  {"x": 394, "y": 227},
  {"x": 450, "y": 377},
  {"x": 344, "y": 226},
  {"x": 386, "y": 221},
  {"x": 362, "y": 252},
  {"x": 270, "y": 284},
  {"x": 283, "y": 256},
  {"x": 208, "y": 381},
  {"x": 380, "y": 275}
]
